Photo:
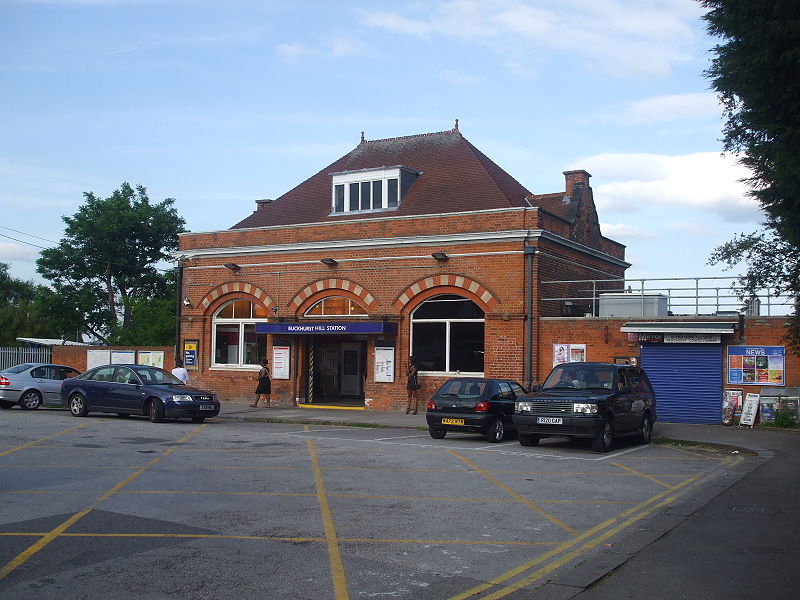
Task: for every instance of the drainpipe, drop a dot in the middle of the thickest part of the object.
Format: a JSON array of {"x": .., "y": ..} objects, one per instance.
[
  {"x": 178, "y": 304},
  {"x": 530, "y": 255}
]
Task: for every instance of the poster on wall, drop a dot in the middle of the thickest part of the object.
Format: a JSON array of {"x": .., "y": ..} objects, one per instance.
[
  {"x": 152, "y": 358},
  {"x": 384, "y": 365},
  {"x": 756, "y": 365},
  {"x": 280, "y": 362},
  {"x": 123, "y": 357},
  {"x": 190, "y": 353},
  {"x": 564, "y": 353},
  {"x": 95, "y": 358},
  {"x": 735, "y": 400}
]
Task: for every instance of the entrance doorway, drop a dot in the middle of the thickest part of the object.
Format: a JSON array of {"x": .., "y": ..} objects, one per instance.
[{"x": 338, "y": 368}]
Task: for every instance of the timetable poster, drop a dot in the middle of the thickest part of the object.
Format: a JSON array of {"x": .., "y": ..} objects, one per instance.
[{"x": 756, "y": 365}]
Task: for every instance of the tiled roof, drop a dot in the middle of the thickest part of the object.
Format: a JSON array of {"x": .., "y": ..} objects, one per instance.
[{"x": 455, "y": 176}]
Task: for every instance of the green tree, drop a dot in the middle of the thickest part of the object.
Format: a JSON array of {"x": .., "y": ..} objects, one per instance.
[
  {"x": 756, "y": 73},
  {"x": 105, "y": 268},
  {"x": 20, "y": 313}
]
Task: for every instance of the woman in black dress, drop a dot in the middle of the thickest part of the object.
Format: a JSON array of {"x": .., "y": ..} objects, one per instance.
[
  {"x": 412, "y": 385},
  {"x": 264, "y": 388}
]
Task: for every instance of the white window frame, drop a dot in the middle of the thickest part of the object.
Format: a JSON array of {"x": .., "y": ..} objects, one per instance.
[
  {"x": 382, "y": 174},
  {"x": 329, "y": 315},
  {"x": 240, "y": 322}
]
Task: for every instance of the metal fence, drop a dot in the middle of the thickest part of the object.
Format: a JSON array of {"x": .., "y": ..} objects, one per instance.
[
  {"x": 683, "y": 296},
  {"x": 12, "y": 355}
]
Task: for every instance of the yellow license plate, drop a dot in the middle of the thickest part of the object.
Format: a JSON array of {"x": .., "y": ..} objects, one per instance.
[{"x": 452, "y": 421}]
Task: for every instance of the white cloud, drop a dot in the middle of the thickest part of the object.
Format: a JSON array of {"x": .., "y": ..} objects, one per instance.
[
  {"x": 17, "y": 252},
  {"x": 674, "y": 107},
  {"x": 622, "y": 231},
  {"x": 622, "y": 37},
  {"x": 705, "y": 181},
  {"x": 294, "y": 51}
]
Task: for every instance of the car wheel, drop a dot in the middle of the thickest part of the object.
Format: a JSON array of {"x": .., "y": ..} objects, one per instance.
[
  {"x": 198, "y": 419},
  {"x": 77, "y": 406},
  {"x": 31, "y": 400},
  {"x": 437, "y": 433},
  {"x": 528, "y": 439},
  {"x": 605, "y": 436},
  {"x": 645, "y": 429},
  {"x": 156, "y": 411},
  {"x": 496, "y": 431},
  {"x": 6, "y": 404}
]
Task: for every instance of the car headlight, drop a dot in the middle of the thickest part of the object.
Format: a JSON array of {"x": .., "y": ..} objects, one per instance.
[
  {"x": 524, "y": 406},
  {"x": 182, "y": 398},
  {"x": 584, "y": 409}
]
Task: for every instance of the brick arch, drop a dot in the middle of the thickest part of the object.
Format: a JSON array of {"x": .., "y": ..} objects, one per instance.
[
  {"x": 236, "y": 287},
  {"x": 447, "y": 284},
  {"x": 339, "y": 285}
]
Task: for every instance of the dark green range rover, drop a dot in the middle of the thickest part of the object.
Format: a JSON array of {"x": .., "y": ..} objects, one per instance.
[{"x": 600, "y": 401}]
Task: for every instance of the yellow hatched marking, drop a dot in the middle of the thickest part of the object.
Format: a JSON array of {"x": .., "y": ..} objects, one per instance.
[
  {"x": 515, "y": 495},
  {"x": 23, "y": 556},
  {"x": 637, "y": 473}
]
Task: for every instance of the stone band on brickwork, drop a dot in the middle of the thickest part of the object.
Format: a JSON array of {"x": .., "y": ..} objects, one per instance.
[
  {"x": 236, "y": 287},
  {"x": 456, "y": 281},
  {"x": 334, "y": 284}
]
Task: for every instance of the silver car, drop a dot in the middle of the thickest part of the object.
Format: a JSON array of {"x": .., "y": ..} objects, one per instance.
[{"x": 32, "y": 385}]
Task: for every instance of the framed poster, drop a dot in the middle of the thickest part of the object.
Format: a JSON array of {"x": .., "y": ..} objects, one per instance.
[
  {"x": 190, "y": 353},
  {"x": 384, "y": 365},
  {"x": 152, "y": 358},
  {"x": 123, "y": 357},
  {"x": 756, "y": 365},
  {"x": 95, "y": 358},
  {"x": 280, "y": 362},
  {"x": 564, "y": 353}
]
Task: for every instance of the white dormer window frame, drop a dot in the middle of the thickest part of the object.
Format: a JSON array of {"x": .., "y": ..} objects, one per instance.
[{"x": 367, "y": 190}]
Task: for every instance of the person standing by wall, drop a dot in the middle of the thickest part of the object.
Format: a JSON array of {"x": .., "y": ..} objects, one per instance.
[
  {"x": 412, "y": 385},
  {"x": 264, "y": 388},
  {"x": 180, "y": 372}
]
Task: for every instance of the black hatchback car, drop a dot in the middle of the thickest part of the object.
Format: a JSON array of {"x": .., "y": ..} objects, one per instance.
[
  {"x": 473, "y": 405},
  {"x": 600, "y": 401},
  {"x": 137, "y": 390}
]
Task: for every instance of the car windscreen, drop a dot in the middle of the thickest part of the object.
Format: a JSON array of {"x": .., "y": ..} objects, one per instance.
[
  {"x": 17, "y": 369},
  {"x": 580, "y": 377},
  {"x": 155, "y": 376}
]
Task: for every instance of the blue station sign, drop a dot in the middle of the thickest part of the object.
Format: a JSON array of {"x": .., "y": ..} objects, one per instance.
[{"x": 328, "y": 328}]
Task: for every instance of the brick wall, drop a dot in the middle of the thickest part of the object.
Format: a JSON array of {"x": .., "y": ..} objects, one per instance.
[{"x": 76, "y": 356}]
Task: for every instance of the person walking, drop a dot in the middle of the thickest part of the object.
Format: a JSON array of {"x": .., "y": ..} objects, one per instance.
[
  {"x": 180, "y": 372},
  {"x": 264, "y": 388},
  {"x": 412, "y": 385}
]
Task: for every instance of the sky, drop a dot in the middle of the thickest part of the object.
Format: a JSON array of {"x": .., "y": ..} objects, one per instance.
[{"x": 218, "y": 104}]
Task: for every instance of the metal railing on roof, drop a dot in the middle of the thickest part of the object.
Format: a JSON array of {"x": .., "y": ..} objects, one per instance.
[{"x": 668, "y": 296}]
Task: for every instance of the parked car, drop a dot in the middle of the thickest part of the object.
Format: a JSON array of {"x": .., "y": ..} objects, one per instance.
[
  {"x": 474, "y": 405},
  {"x": 33, "y": 384},
  {"x": 600, "y": 401},
  {"x": 137, "y": 390}
]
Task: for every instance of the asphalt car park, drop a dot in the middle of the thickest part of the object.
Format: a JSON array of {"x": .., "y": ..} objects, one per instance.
[{"x": 103, "y": 507}]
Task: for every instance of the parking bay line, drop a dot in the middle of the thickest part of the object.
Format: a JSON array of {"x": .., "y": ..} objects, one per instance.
[
  {"x": 34, "y": 442},
  {"x": 56, "y": 532}
]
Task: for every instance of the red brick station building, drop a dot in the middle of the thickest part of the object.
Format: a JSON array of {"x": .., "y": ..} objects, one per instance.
[{"x": 417, "y": 245}]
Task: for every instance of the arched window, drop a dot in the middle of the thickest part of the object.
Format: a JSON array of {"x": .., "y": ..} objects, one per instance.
[
  {"x": 447, "y": 335},
  {"x": 235, "y": 340},
  {"x": 336, "y": 306}
]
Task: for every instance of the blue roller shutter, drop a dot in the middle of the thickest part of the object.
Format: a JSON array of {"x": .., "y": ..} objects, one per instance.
[{"x": 687, "y": 379}]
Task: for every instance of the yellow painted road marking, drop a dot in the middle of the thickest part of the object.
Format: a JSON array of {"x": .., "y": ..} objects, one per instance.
[
  {"x": 635, "y": 472},
  {"x": 515, "y": 495},
  {"x": 559, "y": 550},
  {"x": 33, "y": 443},
  {"x": 335, "y": 557},
  {"x": 23, "y": 556}
]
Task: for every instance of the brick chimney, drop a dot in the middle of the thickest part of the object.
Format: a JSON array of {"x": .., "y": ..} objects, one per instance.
[{"x": 579, "y": 177}]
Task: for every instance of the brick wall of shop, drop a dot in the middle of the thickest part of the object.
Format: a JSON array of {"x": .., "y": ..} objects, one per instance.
[
  {"x": 76, "y": 356},
  {"x": 604, "y": 341}
]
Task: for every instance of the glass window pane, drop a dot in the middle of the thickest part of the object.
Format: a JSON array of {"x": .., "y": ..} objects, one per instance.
[
  {"x": 338, "y": 200},
  {"x": 377, "y": 194},
  {"x": 259, "y": 311},
  {"x": 316, "y": 310},
  {"x": 336, "y": 305},
  {"x": 466, "y": 347},
  {"x": 255, "y": 345},
  {"x": 226, "y": 348},
  {"x": 366, "y": 186},
  {"x": 448, "y": 306},
  {"x": 353, "y": 196},
  {"x": 428, "y": 346},
  {"x": 241, "y": 309},
  {"x": 355, "y": 309},
  {"x": 392, "y": 192},
  {"x": 226, "y": 312}
]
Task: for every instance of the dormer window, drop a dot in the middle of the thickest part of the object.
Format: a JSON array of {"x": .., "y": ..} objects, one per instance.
[{"x": 370, "y": 189}]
